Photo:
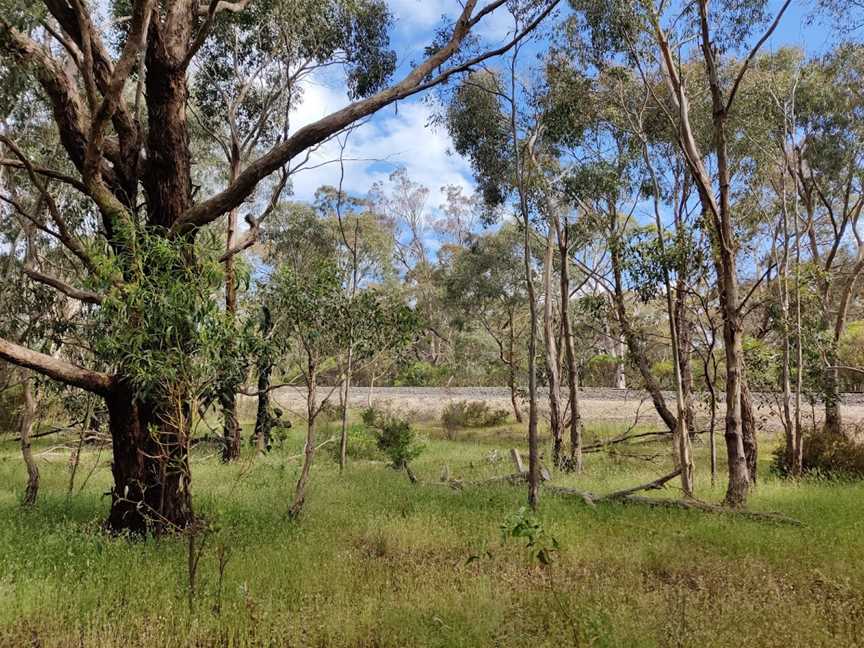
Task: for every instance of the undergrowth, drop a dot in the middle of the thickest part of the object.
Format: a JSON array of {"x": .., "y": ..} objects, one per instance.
[{"x": 375, "y": 561}]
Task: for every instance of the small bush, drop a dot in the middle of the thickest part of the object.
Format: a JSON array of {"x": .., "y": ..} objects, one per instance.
[
  {"x": 828, "y": 455},
  {"x": 473, "y": 414},
  {"x": 525, "y": 525},
  {"x": 371, "y": 415},
  {"x": 394, "y": 437},
  {"x": 362, "y": 442}
]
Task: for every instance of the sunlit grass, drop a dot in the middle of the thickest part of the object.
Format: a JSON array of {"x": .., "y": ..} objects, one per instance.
[{"x": 375, "y": 561}]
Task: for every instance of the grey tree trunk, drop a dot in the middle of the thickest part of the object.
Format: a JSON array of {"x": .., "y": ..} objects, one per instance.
[
  {"x": 553, "y": 372},
  {"x": 634, "y": 343},
  {"x": 575, "y": 462},
  {"x": 28, "y": 419},
  {"x": 309, "y": 449}
]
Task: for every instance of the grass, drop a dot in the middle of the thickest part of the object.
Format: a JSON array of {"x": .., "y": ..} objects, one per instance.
[{"x": 374, "y": 561}]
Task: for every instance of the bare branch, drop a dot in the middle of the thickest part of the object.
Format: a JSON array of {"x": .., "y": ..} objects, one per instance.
[
  {"x": 66, "y": 289},
  {"x": 415, "y": 81},
  {"x": 753, "y": 53},
  {"x": 60, "y": 370}
]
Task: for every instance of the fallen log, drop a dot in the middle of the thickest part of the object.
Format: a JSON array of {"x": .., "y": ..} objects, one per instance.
[
  {"x": 627, "y": 496},
  {"x": 698, "y": 505},
  {"x": 654, "y": 485},
  {"x": 599, "y": 446}
]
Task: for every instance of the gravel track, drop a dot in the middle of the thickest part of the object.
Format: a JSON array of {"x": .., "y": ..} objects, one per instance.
[{"x": 598, "y": 404}]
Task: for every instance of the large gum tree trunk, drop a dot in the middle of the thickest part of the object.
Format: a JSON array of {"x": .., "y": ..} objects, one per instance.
[{"x": 150, "y": 467}]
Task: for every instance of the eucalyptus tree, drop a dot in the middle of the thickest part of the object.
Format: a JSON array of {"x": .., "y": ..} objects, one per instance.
[
  {"x": 31, "y": 313},
  {"x": 804, "y": 132},
  {"x": 492, "y": 123},
  {"x": 25, "y": 318},
  {"x": 654, "y": 36},
  {"x": 486, "y": 286},
  {"x": 313, "y": 322},
  {"x": 364, "y": 241},
  {"x": 121, "y": 118},
  {"x": 824, "y": 150},
  {"x": 317, "y": 321},
  {"x": 611, "y": 171},
  {"x": 405, "y": 203},
  {"x": 249, "y": 77}
]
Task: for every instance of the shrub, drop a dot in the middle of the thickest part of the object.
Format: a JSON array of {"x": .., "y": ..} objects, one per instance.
[
  {"x": 362, "y": 442},
  {"x": 394, "y": 437},
  {"x": 459, "y": 414},
  {"x": 422, "y": 374},
  {"x": 600, "y": 370},
  {"x": 828, "y": 455},
  {"x": 664, "y": 372},
  {"x": 850, "y": 352},
  {"x": 371, "y": 415}
]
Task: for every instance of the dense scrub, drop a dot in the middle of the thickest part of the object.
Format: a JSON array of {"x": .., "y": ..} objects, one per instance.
[
  {"x": 826, "y": 455},
  {"x": 472, "y": 414}
]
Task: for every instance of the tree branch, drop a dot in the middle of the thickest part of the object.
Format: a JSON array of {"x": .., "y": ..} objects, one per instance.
[
  {"x": 48, "y": 173},
  {"x": 66, "y": 289},
  {"x": 753, "y": 53},
  {"x": 64, "y": 234},
  {"x": 67, "y": 106},
  {"x": 415, "y": 81},
  {"x": 55, "y": 368}
]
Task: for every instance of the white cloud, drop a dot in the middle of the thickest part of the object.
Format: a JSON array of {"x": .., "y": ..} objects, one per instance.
[
  {"x": 396, "y": 136},
  {"x": 416, "y": 20},
  {"x": 419, "y": 15}
]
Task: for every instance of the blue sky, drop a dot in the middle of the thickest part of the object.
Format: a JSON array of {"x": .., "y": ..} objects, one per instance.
[{"x": 399, "y": 135}]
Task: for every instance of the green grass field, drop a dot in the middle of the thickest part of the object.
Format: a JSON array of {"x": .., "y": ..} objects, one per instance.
[{"x": 375, "y": 561}]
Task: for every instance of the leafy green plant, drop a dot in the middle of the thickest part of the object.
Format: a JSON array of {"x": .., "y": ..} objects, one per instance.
[
  {"x": 164, "y": 329},
  {"x": 371, "y": 415},
  {"x": 362, "y": 443},
  {"x": 422, "y": 374},
  {"x": 395, "y": 438},
  {"x": 524, "y": 525}
]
